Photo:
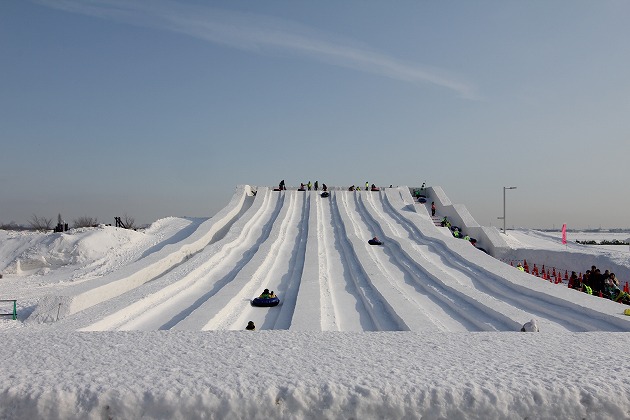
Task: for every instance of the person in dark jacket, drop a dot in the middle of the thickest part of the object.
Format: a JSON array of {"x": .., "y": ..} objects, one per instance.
[
  {"x": 597, "y": 281},
  {"x": 375, "y": 241}
]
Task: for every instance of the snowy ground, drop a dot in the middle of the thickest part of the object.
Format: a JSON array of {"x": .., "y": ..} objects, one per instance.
[{"x": 121, "y": 324}]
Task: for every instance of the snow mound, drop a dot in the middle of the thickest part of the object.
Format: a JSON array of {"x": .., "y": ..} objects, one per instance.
[{"x": 75, "y": 247}]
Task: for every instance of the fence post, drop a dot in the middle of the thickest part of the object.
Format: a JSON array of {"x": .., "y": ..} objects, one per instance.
[{"x": 14, "y": 310}]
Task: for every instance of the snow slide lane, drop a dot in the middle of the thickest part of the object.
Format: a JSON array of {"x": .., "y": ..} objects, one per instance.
[
  {"x": 481, "y": 276},
  {"x": 313, "y": 252}
]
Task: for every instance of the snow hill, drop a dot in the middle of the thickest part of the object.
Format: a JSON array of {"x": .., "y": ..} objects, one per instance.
[
  {"x": 313, "y": 252},
  {"x": 421, "y": 294}
]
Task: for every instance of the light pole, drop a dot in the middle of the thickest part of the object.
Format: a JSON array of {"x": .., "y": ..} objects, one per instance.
[{"x": 505, "y": 188}]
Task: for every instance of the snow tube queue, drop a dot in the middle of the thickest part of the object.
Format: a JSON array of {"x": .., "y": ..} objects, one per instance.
[{"x": 308, "y": 187}]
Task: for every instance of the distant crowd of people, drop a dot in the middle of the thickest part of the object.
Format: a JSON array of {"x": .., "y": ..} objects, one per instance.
[
  {"x": 373, "y": 187},
  {"x": 308, "y": 186},
  {"x": 303, "y": 187},
  {"x": 594, "y": 282}
]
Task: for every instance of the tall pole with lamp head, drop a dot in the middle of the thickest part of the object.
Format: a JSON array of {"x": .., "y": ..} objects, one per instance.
[{"x": 505, "y": 188}]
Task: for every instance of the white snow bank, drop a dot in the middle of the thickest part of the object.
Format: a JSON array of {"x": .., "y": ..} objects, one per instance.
[
  {"x": 182, "y": 375},
  {"x": 55, "y": 250}
]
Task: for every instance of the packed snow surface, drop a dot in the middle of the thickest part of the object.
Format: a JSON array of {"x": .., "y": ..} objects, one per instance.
[{"x": 115, "y": 323}]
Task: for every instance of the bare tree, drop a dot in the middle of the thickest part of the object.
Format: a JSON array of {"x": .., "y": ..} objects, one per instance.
[
  {"x": 40, "y": 223},
  {"x": 129, "y": 221},
  {"x": 84, "y": 221}
]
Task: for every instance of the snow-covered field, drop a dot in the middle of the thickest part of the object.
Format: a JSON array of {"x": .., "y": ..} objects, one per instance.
[{"x": 122, "y": 324}]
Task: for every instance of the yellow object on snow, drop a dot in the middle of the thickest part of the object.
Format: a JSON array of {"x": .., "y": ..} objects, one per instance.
[{"x": 626, "y": 312}]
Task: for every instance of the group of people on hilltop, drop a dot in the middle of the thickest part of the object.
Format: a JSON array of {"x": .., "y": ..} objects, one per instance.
[
  {"x": 303, "y": 187},
  {"x": 308, "y": 186},
  {"x": 595, "y": 282},
  {"x": 368, "y": 187}
]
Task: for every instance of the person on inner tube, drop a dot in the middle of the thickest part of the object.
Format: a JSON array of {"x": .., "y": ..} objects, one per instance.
[
  {"x": 375, "y": 241},
  {"x": 265, "y": 294}
]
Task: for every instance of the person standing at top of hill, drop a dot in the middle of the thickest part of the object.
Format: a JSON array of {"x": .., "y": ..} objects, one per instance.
[
  {"x": 432, "y": 208},
  {"x": 324, "y": 187},
  {"x": 316, "y": 185},
  {"x": 281, "y": 186},
  {"x": 367, "y": 186},
  {"x": 309, "y": 185}
]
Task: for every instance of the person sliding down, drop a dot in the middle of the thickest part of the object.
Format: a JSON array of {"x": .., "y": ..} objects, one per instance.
[
  {"x": 375, "y": 241},
  {"x": 265, "y": 294},
  {"x": 250, "y": 326}
]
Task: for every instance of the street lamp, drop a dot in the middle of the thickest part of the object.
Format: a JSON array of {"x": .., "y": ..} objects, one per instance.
[{"x": 505, "y": 188}]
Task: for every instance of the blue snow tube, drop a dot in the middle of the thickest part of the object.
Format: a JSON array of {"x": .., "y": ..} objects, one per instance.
[{"x": 265, "y": 302}]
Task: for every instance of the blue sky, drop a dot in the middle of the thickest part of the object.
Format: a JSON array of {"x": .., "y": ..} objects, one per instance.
[{"x": 160, "y": 108}]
